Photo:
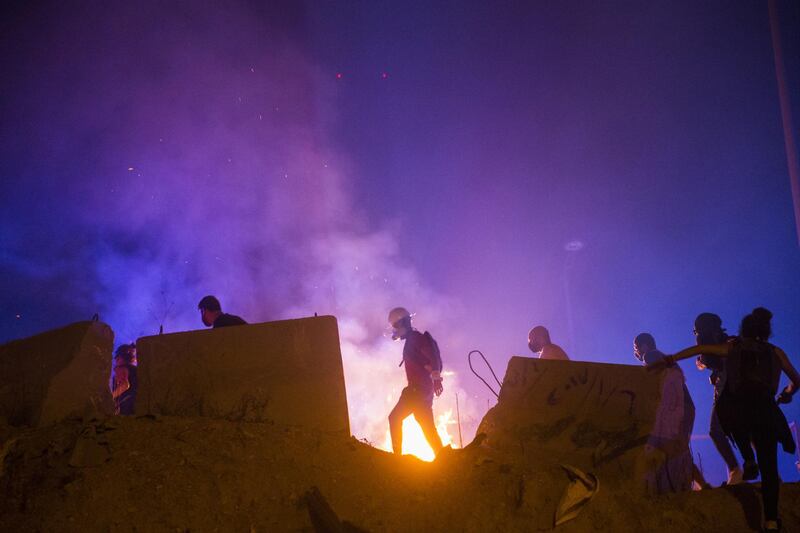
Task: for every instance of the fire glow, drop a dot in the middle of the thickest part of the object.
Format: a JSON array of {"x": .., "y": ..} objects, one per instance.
[{"x": 414, "y": 442}]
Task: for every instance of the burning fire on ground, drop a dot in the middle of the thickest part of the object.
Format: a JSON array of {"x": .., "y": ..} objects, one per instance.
[{"x": 414, "y": 442}]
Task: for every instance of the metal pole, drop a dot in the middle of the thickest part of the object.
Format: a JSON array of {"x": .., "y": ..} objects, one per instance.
[
  {"x": 786, "y": 113},
  {"x": 458, "y": 417}
]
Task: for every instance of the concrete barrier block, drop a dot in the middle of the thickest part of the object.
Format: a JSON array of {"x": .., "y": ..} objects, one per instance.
[
  {"x": 288, "y": 372},
  {"x": 594, "y": 414},
  {"x": 56, "y": 374}
]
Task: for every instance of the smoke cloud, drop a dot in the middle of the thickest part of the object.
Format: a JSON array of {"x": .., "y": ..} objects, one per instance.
[{"x": 186, "y": 153}]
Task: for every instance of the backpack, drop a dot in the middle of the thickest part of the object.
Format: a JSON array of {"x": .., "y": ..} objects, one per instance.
[
  {"x": 751, "y": 367},
  {"x": 436, "y": 364}
]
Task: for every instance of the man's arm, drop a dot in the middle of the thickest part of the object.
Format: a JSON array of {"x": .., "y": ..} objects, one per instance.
[
  {"x": 720, "y": 350},
  {"x": 791, "y": 371},
  {"x": 426, "y": 350}
]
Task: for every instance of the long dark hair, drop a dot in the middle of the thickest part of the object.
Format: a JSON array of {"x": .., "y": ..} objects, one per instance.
[{"x": 757, "y": 325}]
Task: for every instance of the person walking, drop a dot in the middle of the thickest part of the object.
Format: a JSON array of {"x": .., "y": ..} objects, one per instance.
[{"x": 423, "y": 364}]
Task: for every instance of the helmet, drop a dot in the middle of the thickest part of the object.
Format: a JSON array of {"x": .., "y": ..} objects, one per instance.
[{"x": 397, "y": 314}]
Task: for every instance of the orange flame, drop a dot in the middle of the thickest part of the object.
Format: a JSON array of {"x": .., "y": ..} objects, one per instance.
[{"x": 414, "y": 442}]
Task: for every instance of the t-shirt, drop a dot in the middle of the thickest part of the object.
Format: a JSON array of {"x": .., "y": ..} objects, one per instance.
[
  {"x": 753, "y": 365},
  {"x": 126, "y": 402},
  {"x": 417, "y": 353},
  {"x": 652, "y": 356},
  {"x": 224, "y": 320},
  {"x": 553, "y": 351}
]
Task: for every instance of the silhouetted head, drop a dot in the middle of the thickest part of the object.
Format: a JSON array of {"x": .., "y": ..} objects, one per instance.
[
  {"x": 538, "y": 338},
  {"x": 126, "y": 353},
  {"x": 757, "y": 325},
  {"x": 642, "y": 344},
  {"x": 708, "y": 329},
  {"x": 210, "y": 309},
  {"x": 400, "y": 320}
]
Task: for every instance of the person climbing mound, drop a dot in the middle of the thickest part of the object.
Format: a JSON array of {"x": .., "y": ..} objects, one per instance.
[{"x": 747, "y": 407}]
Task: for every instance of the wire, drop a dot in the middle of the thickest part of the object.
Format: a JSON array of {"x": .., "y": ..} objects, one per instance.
[{"x": 469, "y": 360}]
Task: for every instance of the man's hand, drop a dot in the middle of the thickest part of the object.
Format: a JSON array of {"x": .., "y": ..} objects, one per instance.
[
  {"x": 699, "y": 364},
  {"x": 437, "y": 382},
  {"x": 785, "y": 396}
]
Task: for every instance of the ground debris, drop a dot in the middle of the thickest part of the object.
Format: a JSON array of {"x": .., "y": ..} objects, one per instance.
[{"x": 141, "y": 475}]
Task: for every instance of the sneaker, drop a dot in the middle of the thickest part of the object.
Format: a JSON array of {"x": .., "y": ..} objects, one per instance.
[
  {"x": 750, "y": 471},
  {"x": 735, "y": 476}
]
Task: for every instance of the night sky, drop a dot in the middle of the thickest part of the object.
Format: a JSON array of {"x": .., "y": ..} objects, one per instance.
[{"x": 347, "y": 157}]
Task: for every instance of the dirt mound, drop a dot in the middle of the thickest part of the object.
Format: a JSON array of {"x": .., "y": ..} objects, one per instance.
[{"x": 202, "y": 474}]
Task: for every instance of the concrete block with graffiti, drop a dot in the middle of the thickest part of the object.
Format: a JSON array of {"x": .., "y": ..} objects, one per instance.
[{"x": 619, "y": 421}]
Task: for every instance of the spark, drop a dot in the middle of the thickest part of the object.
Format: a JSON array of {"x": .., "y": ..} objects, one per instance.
[
  {"x": 384, "y": 75},
  {"x": 130, "y": 169},
  {"x": 339, "y": 75}
]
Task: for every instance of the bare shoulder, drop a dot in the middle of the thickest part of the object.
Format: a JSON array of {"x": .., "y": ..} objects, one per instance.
[
  {"x": 554, "y": 351},
  {"x": 780, "y": 353}
]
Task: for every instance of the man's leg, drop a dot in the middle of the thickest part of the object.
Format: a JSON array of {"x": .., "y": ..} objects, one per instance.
[
  {"x": 767, "y": 449},
  {"x": 721, "y": 442},
  {"x": 745, "y": 444},
  {"x": 403, "y": 408},
  {"x": 424, "y": 416}
]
